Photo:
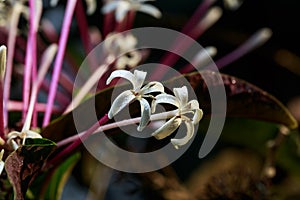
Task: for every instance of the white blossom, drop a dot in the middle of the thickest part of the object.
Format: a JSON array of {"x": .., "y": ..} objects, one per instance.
[
  {"x": 122, "y": 7},
  {"x": 139, "y": 92},
  {"x": 184, "y": 107}
]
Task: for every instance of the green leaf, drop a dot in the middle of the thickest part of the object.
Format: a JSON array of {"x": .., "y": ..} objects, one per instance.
[
  {"x": 25, "y": 163},
  {"x": 243, "y": 100},
  {"x": 59, "y": 178}
]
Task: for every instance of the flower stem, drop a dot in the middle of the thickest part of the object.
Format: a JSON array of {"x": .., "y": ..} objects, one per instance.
[
  {"x": 69, "y": 149},
  {"x": 59, "y": 59},
  {"x": 84, "y": 32},
  {"x": 89, "y": 84},
  {"x": 256, "y": 40},
  {"x": 2, "y": 72},
  {"x": 17, "y": 9},
  {"x": 155, "y": 117},
  {"x": 181, "y": 44},
  {"x": 40, "y": 107},
  {"x": 108, "y": 24}
]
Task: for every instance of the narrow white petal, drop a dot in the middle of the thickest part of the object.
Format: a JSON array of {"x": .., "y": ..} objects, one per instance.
[
  {"x": 122, "y": 74},
  {"x": 189, "y": 134},
  {"x": 151, "y": 10},
  {"x": 194, "y": 104},
  {"x": 153, "y": 86},
  {"x": 32, "y": 134},
  {"x": 197, "y": 116},
  {"x": 13, "y": 134},
  {"x": 2, "y": 61},
  {"x": 139, "y": 78},
  {"x": 232, "y": 4},
  {"x": 109, "y": 7},
  {"x": 91, "y": 6},
  {"x": 145, "y": 114},
  {"x": 168, "y": 128},
  {"x": 1, "y": 166},
  {"x": 120, "y": 102},
  {"x": 122, "y": 10},
  {"x": 181, "y": 94},
  {"x": 166, "y": 98}
]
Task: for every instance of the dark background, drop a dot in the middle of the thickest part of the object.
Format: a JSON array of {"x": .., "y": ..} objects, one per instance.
[{"x": 258, "y": 67}]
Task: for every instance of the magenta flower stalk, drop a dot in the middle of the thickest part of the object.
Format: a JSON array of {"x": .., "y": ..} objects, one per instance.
[
  {"x": 17, "y": 9},
  {"x": 59, "y": 59},
  {"x": 40, "y": 107},
  {"x": 108, "y": 23},
  {"x": 130, "y": 19},
  {"x": 30, "y": 64},
  {"x": 84, "y": 32},
  {"x": 126, "y": 122},
  {"x": 181, "y": 45},
  {"x": 198, "y": 14},
  {"x": 69, "y": 149},
  {"x": 65, "y": 82},
  {"x": 256, "y": 40}
]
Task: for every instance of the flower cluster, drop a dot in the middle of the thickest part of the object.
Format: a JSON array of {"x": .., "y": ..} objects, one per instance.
[{"x": 139, "y": 92}]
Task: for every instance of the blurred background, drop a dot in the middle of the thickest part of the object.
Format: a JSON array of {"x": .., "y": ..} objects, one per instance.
[{"x": 274, "y": 67}]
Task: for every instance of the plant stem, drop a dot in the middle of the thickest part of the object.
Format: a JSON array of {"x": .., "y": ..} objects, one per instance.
[
  {"x": 17, "y": 9},
  {"x": 58, "y": 158},
  {"x": 108, "y": 23},
  {"x": 84, "y": 90},
  {"x": 40, "y": 107},
  {"x": 158, "y": 116},
  {"x": 2, "y": 72},
  {"x": 181, "y": 44},
  {"x": 256, "y": 40},
  {"x": 59, "y": 59},
  {"x": 84, "y": 31}
]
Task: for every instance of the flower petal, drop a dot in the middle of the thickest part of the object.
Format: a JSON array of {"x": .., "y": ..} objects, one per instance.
[
  {"x": 168, "y": 128},
  {"x": 1, "y": 161},
  {"x": 189, "y": 134},
  {"x": 120, "y": 102},
  {"x": 32, "y": 134},
  {"x": 109, "y": 7},
  {"x": 122, "y": 74},
  {"x": 197, "y": 116},
  {"x": 122, "y": 10},
  {"x": 153, "y": 86},
  {"x": 145, "y": 114},
  {"x": 182, "y": 95},
  {"x": 91, "y": 6},
  {"x": 164, "y": 98},
  {"x": 1, "y": 166},
  {"x": 151, "y": 10},
  {"x": 139, "y": 79}
]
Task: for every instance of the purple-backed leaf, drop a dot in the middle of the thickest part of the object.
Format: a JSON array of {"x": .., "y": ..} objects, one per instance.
[
  {"x": 24, "y": 164},
  {"x": 243, "y": 100}
]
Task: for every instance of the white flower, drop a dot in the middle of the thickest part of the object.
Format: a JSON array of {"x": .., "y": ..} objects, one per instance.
[
  {"x": 22, "y": 135},
  {"x": 121, "y": 47},
  {"x": 91, "y": 5},
  {"x": 1, "y": 161},
  {"x": 121, "y": 8},
  {"x": 180, "y": 100},
  {"x": 232, "y": 4},
  {"x": 137, "y": 93}
]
